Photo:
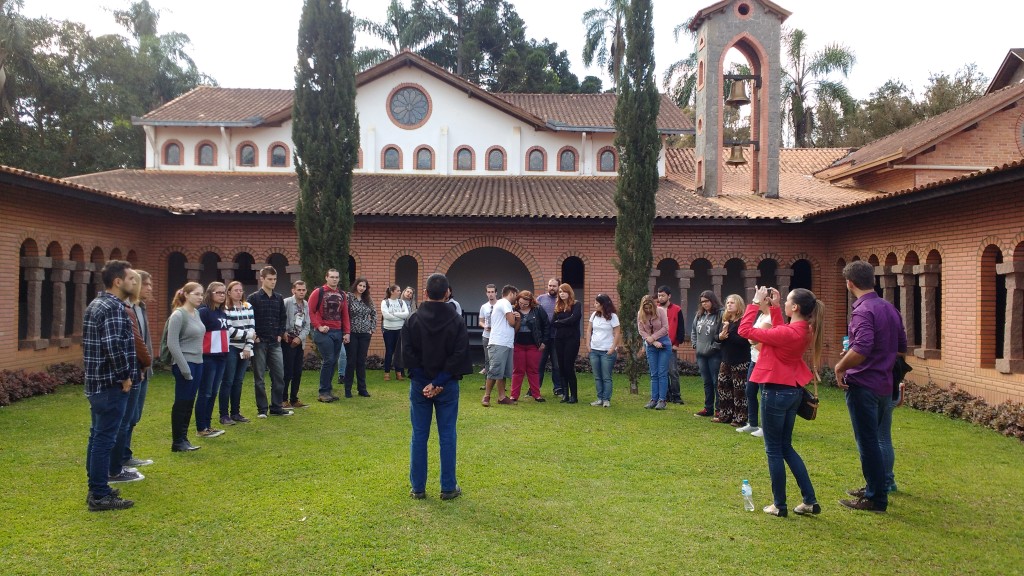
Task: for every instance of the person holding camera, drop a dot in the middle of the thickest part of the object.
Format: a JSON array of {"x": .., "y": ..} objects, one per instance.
[{"x": 783, "y": 372}]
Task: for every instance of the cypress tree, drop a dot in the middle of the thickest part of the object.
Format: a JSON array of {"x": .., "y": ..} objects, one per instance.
[
  {"x": 636, "y": 137},
  {"x": 325, "y": 131}
]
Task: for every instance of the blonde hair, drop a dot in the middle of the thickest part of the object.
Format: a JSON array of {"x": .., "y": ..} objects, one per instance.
[
  {"x": 229, "y": 301},
  {"x": 647, "y": 301},
  {"x": 179, "y": 297},
  {"x": 740, "y": 304}
]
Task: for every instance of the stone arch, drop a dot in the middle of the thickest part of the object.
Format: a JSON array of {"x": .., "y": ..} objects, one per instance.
[
  {"x": 891, "y": 259},
  {"x": 289, "y": 253},
  {"x": 54, "y": 250},
  {"x": 668, "y": 275},
  {"x": 504, "y": 243},
  {"x": 96, "y": 257},
  {"x": 990, "y": 306},
  {"x": 29, "y": 248},
  {"x": 701, "y": 267},
  {"x": 116, "y": 254},
  {"x": 911, "y": 258},
  {"x": 132, "y": 257},
  {"x": 209, "y": 271},
  {"x": 406, "y": 266},
  {"x": 1017, "y": 253}
]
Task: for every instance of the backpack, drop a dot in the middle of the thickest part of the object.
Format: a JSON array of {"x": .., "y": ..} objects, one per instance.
[{"x": 165, "y": 352}]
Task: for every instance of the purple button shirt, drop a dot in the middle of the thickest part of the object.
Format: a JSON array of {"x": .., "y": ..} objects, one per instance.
[{"x": 876, "y": 332}]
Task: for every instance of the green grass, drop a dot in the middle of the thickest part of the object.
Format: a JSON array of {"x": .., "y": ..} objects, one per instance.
[{"x": 548, "y": 489}]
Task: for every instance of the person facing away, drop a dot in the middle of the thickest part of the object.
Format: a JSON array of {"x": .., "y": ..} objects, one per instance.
[
  {"x": 877, "y": 336},
  {"x": 435, "y": 346}
]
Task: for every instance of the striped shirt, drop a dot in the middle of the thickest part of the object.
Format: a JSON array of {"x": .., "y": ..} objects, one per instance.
[
  {"x": 241, "y": 326},
  {"x": 108, "y": 345}
]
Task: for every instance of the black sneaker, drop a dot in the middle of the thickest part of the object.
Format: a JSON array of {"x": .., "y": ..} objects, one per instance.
[
  {"x": 126, "y": 475},
  {"x": 417, "y": 495},
  {"x": 364, "y": 393},
  {"x": 109, "y": 502},
  {"x": 451, "y": 494},
  {"x": 280, "y": 412},
  {"x": 114, "y": 491}
]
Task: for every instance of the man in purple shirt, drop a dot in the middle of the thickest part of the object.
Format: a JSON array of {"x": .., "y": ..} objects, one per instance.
[{"x": 865, "y": 372}]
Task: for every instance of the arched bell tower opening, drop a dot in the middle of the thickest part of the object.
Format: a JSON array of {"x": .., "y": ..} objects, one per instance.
[{"x": 754, "y": 29}]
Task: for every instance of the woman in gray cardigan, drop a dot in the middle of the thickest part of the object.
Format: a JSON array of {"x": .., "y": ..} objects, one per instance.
[
  {"x": 185, "y": 332},
  {"x": 704, "y": 331}
]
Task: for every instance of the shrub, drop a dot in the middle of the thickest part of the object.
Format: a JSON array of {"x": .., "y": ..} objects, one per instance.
[
  {"x": 18, "y": 384},
  {"x": 1006, "y": 418},
  {"x": 67, "y": 373}
]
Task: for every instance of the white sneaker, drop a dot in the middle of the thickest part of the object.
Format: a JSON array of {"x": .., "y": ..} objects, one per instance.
[
  {"x": 261, "y": 415},
  {"x": 596, "y": 403},
  {"x": 607, "y": 404},
  {"x": 746, "y": 428},
  {"x": 759, "y": 433}
]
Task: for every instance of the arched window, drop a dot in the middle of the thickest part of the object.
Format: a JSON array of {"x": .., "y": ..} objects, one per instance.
[
  {"x": 407, "y": 272},
  {"x": 574, "y": 274},
  {"x": 210, "y": 272},
  {"x": 172, "y": 154},
  {"x": 279, "y": 156},
  {"x": 177, "y": 275},
  {"x": 733, "y": 282},
  {"x": 206, "y": 154},
  {"x": 424, "y": 158},
  {"x": 993, "y": 310},
  {"x": 535, "y": 160},
  {"x": 606, "y": 161},
  {"x": 496, "y": 159},
  {"x": 246, "y": 154},
  {"x": 392, "y": 158},
  {"x": 667, "y": 276},
  {"x": 700, "y": 282},
  {"x": 464, "y": 158},
  {"x": 567, "y": 160}
]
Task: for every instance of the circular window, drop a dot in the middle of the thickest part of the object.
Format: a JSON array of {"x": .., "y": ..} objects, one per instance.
[{"x": 409, "y": 106}]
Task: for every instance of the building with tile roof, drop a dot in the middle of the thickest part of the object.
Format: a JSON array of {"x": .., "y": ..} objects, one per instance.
[{"x": 513, "y": 188}]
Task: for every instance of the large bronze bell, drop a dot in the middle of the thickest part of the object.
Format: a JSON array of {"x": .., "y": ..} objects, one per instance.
[
  {"x": 736, "y": 156},
  {"x": 737, "y": 94}
]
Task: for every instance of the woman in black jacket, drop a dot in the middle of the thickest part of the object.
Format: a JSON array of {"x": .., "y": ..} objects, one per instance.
[
  {"x": 566, "y": 326},
  {"x": 732, "y": 376},
  {"x": 529, "y": 344}
]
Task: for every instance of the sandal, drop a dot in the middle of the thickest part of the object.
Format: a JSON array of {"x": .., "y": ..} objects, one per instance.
[{"x": 486, "y": 401}]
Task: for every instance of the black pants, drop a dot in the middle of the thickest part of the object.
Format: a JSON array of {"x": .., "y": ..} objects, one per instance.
[
  {"x": 293, "y": 357},
  {"x": 566, "y": 350},
  {"x": 356, "y": 349}
]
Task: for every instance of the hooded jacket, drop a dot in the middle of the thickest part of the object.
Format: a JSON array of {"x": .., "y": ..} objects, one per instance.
[{"x": 435, "y": 344}]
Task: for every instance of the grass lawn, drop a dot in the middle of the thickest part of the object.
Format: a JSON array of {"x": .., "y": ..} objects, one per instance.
[{"x": 548, "y": 489}]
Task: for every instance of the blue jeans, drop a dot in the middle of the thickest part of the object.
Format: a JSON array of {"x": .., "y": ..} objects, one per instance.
[
  {"x": 391, "y": 339},
  {"x": 753, "y": 390},
  {"x": 231, "y": 385},
  {"x": 885, "y": 444},
  {"x": 657, "y": 362},
  {"x": 867, "y": 410},
  {"x": 780, "y": 404},
  {"x": 107, "y": 408},
  {"x": 421, "y": 410},
  {"x": 333, "y": 353},
  {"x": 601, "y": 362},
  {"x": 209, "y": 387},
  {"x": 549, "y": 354},
  {"x": 709, "y": 367},
  {"x": 122, "y": 444}
]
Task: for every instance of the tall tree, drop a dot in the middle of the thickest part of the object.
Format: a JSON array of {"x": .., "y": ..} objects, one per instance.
[
  {"x": 606, "y": 38},
  {"x": 945, "y": 93},
  {"x": 806, "y": 79},
  {"x": 636, "y": 138},
  {"x": 680, "y": 78},
  {"x": 325, "y": 131},
  {"x": 13, "y": 46},
  {"x": 415, "y": 28}
]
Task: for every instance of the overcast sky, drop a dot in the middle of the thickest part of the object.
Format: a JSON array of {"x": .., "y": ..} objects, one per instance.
[{"x": 251, "y": 43}]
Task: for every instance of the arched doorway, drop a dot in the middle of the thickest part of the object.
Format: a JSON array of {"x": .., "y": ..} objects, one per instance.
[{"x": 473, "y": 271}]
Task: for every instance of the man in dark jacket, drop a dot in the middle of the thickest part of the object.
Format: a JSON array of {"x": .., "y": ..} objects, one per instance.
[{"x": 435, "y": 347}]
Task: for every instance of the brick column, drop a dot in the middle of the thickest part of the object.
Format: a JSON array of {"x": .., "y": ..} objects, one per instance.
[
  {"x": 227, "y": 271},
  {"x": 887, "y": 281},
  {"x": 684, "y": 276},
  {"x": 35, "y": 272},
  {"x": 193, "y": 270},
  {"x": 928, "y": 279},
  {"x": 1013, "y": 335},
  {"x": 80, "y": 278},
  {"x": 652, "y": 280},
  {"x": 717, "y": 278},
  {"x": 908, "y": 305},
  {"x": 60, "y": 274},
  {"x": 294, "y": 272},
  {"x": 749, "y": 281},
  {"x": 97, "y": 278},
  {"x": 784, "y": 276}
]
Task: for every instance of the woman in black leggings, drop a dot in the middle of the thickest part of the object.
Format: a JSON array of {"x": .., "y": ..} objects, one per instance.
[{"x": 566, "y": 327}]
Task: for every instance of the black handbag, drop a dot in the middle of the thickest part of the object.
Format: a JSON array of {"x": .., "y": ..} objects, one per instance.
[{"x": 808, "y": 409}]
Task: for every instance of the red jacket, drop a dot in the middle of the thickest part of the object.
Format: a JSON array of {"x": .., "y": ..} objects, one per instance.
[
  {"x": 675, "y": 323},
  {"x": 782, "y": 348}
]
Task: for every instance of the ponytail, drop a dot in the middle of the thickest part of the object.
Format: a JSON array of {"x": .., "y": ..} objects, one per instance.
[{"x": 813, "y": 310}]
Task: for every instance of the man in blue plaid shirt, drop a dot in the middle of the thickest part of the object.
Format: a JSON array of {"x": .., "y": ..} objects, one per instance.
[{"x": 108, "y": 346}]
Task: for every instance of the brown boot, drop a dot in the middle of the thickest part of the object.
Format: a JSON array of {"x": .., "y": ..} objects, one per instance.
[
  {"x": 398, "y": 375},
  {"x": 387, "y": 376}
]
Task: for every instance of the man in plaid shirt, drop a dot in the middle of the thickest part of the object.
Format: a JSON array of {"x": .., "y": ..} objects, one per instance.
[{"x": 108, "y": 346}]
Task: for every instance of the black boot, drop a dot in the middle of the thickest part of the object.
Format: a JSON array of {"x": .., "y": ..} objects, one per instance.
[{"x": 181, "y": 414}]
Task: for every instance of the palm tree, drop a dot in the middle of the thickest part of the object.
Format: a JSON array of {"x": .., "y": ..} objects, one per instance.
[
  {"x": 403, "y": 28},
  {"x": 680, "y": 78},
  {"x": 606, "y": 38},
  {"x": 805, "y": 81}
]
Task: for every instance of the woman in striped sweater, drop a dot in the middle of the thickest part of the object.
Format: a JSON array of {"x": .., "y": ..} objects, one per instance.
[{"x": 241, "y": 334}]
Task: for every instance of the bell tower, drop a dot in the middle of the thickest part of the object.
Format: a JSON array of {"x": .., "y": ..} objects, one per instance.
[{"x": 754, "y": 28}]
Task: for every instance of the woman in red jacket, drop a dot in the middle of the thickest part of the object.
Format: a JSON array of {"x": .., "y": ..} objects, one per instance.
[{"x": 782, "y": 371}]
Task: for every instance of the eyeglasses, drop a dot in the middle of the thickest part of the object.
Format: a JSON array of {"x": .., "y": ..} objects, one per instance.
[
  {"x": 705, "y": 301},
  {"x": 220, "y": 293},
  {"x": 195, "y": 293}
]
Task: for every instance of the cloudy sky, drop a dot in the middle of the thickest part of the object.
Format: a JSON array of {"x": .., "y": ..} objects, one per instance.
[{"x": 251, "y": 43}]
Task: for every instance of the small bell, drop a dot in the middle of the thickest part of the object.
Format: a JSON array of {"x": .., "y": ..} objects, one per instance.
[
  {"x": 736, "y": 156},
  {"x": 737, "y": 94}
]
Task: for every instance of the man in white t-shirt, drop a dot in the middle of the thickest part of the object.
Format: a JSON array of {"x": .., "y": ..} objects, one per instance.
[
  {"x": 504, "y": 324},
  {"x": 484, "y": 319}
]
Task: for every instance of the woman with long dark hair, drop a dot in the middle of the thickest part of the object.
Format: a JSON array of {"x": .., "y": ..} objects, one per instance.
[
  {"x": 604, "y": 338},
  {"x": 566, "y": 325},
  {"x": 782, "y": 371},
  {"x": 363, "y": 317},
  {"x": 394, "y": 313},
  {"x": 215, "y": 352},
  {"x": 704, "y": 331},
  {"x": 185, "y": 332},
  {"x": 528, "y": 344},
  {"x": 242, "y": 335},
  {"x": 652, "y": 323}
]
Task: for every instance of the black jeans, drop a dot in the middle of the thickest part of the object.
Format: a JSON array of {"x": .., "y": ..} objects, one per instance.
[
  {"x": 293, "y": 357},
  {"x": 356, "y": 349},
  {"x": 566, "y": 349}
]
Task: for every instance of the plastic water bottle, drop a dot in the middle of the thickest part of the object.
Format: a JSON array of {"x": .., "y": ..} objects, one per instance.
[
  {"x": 846, "y": 343},
  {"x": 748, "y": 496}
]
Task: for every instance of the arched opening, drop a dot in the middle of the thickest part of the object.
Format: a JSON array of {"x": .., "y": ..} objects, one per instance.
[
  {"x": 766, "y": 273},
  {"x": 177, "y": 275},
  {"x": 209, "y": 272},
  {"x": 280, "y": 263},
  {"x": 470, "y": 274},
  {"x": 245, "y": 273},
  {"x": 701, "y": 281},
  {"x": 132, "y": 258},
  {"x": 934, "y": 260},
  {"x": 991, "y": 307},
  {"x": 351, "y": 271},
  {"x": 873, "y": 260},
  {"x": 55, "y": 253},
  {"x": 115, "y": 254},
  {"x": 733, "y": 282},
  {"x": 75, "y": 303},
  {"x": 667, "y": 276},
  {"x": 573, "y": 274},
  {"x": 802, "y": 275},
  {"x": 407, "y": 273},
  {"x": 914, "y": 331}
]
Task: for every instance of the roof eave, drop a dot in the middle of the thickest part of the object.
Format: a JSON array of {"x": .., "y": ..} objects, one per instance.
[{"x": 254, "y": 123}]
